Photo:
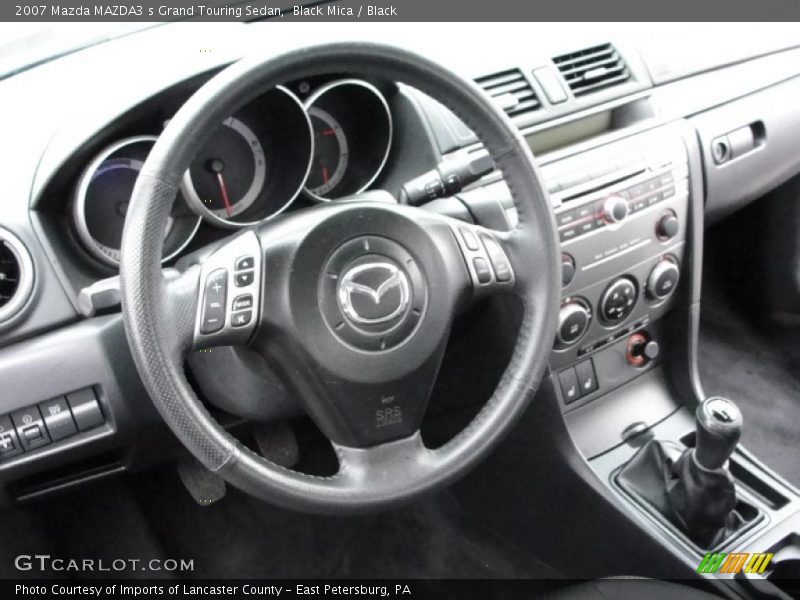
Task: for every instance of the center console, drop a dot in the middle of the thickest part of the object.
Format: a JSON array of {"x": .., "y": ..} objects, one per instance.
[
  {"x": 622, "y": 214},
  {"x": 623, "y": 363}
]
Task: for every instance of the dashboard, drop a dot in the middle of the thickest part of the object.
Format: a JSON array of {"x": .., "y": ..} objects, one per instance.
[{"x": 628, "y": 157}]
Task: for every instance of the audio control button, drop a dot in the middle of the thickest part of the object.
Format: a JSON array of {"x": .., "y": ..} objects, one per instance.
[
  {"x": 567, "y": 269},
  {"x": 667, "y": 226},
  {"x": 615, "y": 209},
  {"x": 618, "y": 300}
]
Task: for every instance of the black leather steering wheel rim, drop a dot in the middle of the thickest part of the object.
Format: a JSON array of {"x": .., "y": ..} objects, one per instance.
[{"x": 156, "y": 311}]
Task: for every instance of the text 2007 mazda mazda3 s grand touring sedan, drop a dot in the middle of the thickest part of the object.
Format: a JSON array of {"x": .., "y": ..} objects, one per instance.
[{"x": 291, "y": 301}]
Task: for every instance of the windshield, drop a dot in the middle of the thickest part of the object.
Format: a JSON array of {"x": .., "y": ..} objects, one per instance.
[{"x": 24, "y": 45}]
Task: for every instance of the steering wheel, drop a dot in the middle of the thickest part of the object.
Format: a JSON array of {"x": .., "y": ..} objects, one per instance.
[{"x": 351, "y": 301}]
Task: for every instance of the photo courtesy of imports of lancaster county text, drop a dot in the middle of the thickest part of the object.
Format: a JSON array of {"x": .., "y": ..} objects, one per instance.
[{"x": 434, "y": 301}]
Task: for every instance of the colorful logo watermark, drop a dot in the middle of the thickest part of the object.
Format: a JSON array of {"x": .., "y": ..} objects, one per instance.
[{"x": 735, "y": 562}]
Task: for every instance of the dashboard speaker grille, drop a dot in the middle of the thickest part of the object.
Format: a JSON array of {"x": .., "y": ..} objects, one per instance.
[
  {"x": 511, "y": 91},
  {"x": 592, "y": 69}
]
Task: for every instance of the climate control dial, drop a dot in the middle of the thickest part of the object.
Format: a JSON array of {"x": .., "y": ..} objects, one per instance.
[
  {"x": 663, "y": 279},
  {"x": 573, "y": 321},
  {"x": 619, "y": 300}
]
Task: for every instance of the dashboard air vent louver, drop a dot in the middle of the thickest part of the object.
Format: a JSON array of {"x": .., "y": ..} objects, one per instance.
[
  {"x": 16, "y": 277},
  {"x": 511, "y": 91},
  {"x": 592, "y": 69}
]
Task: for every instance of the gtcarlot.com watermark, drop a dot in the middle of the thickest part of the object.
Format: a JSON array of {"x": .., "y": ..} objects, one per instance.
[{"x": 45, "y": 563}]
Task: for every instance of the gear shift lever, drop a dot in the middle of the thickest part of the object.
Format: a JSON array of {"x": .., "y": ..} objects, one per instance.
[
  {"x": 719, "y": 427},
  {"x": 692, "y": 487}
]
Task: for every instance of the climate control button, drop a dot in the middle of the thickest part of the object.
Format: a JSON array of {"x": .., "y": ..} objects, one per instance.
[
  {"x": 618, "y": 300},
  {"x": 663, "y": 279},
  {"x": 573, "y": 321}
]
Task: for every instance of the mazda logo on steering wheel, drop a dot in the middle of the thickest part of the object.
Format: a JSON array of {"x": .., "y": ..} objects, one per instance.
[{"x": 374, "y": 292}]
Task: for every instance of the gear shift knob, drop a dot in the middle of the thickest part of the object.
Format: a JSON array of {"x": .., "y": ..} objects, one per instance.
[{"x": 719, "y": 427}]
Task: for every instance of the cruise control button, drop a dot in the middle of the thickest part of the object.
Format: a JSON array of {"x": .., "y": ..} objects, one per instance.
[
  {"x": 244, "y": 262},
  {"x": 9, "y": 442},
  {"x": 470, "y": 241},
  {"x": 214, "y": 298},
  {"x": 58, "y": 418},
  {"x": 482, "y": 271},
  {"x": 502, "y": 268},
  {"x": 30, "y": 428},
  {"x": 240, "y": 319},
  {"x": 569, "y": 385},
  {"x": 244, "y": 278},
  {"x": 243, "y": 302}
]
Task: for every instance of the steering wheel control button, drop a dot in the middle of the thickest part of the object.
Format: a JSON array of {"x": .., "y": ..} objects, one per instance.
[
  {"x": 9, "y": 442},
  {"x": 242, "y": 318},
  {"x": 243, "y": 302},
  {"x": 58, "y": 418},
  {"x": 216, "y": 291},
  {"x": 372, "y": 293},
  {"x": 569, "y": 385},
  {"x": 573, "y": 321},
  {"x": 85, "y": 409},
  {"x": 498, "y": 258},
  {"x": 244, "y": 263},
  {"x": 619, "y": 300},
  {"x": 485, "y": 258},
  {"x": 587, "y": 380},
  {"x": 470, "y": 239},
  {"x": 482, "y": 271},
  {"x": 244, "y": 278},
  {"x": 663, "y": 279},
  {"x": 30, "y": 428}
]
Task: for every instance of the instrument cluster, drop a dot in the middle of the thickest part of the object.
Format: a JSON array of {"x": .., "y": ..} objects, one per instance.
[{"x": 276, "y": 148}]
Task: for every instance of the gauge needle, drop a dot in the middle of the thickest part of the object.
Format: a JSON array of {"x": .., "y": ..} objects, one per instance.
[
  {"x": 325, "y": 175},
  {"x": 224, "y": 191}
]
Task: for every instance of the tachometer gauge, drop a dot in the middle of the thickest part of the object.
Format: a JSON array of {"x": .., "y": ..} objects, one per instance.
[
  {"x": 102, "y": 198},
  {"x": 255, "y": 163},
  {"x": 330, "y": 153},
  {"x": 230, "y": 173},
  {"x": 352, "y": 137}
]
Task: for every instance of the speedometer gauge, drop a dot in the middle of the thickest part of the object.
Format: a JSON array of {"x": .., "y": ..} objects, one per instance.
[
  {"x": 102, "y": 198},
  {"x": 230, "y": 174},
  {"x": 254, "y": 164},
  {"x": 330, "y": 153}
]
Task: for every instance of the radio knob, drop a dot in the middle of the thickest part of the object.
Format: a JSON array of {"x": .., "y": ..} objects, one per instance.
[
  {"x": 615, "y": 209},
  {"x": 668, "y": 225},
  {"x": 663, "y": 279},
  {"x": 573, "y": 321}
]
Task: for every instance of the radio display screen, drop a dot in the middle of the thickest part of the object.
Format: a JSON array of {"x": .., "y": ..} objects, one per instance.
[{"x": 570, "y": 133}]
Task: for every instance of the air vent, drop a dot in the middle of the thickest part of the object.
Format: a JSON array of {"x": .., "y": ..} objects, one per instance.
[
  {"x": 511, "y": 91},
  {"x": 592, "y": 69},
  {"x": 16, "y": 275}
]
